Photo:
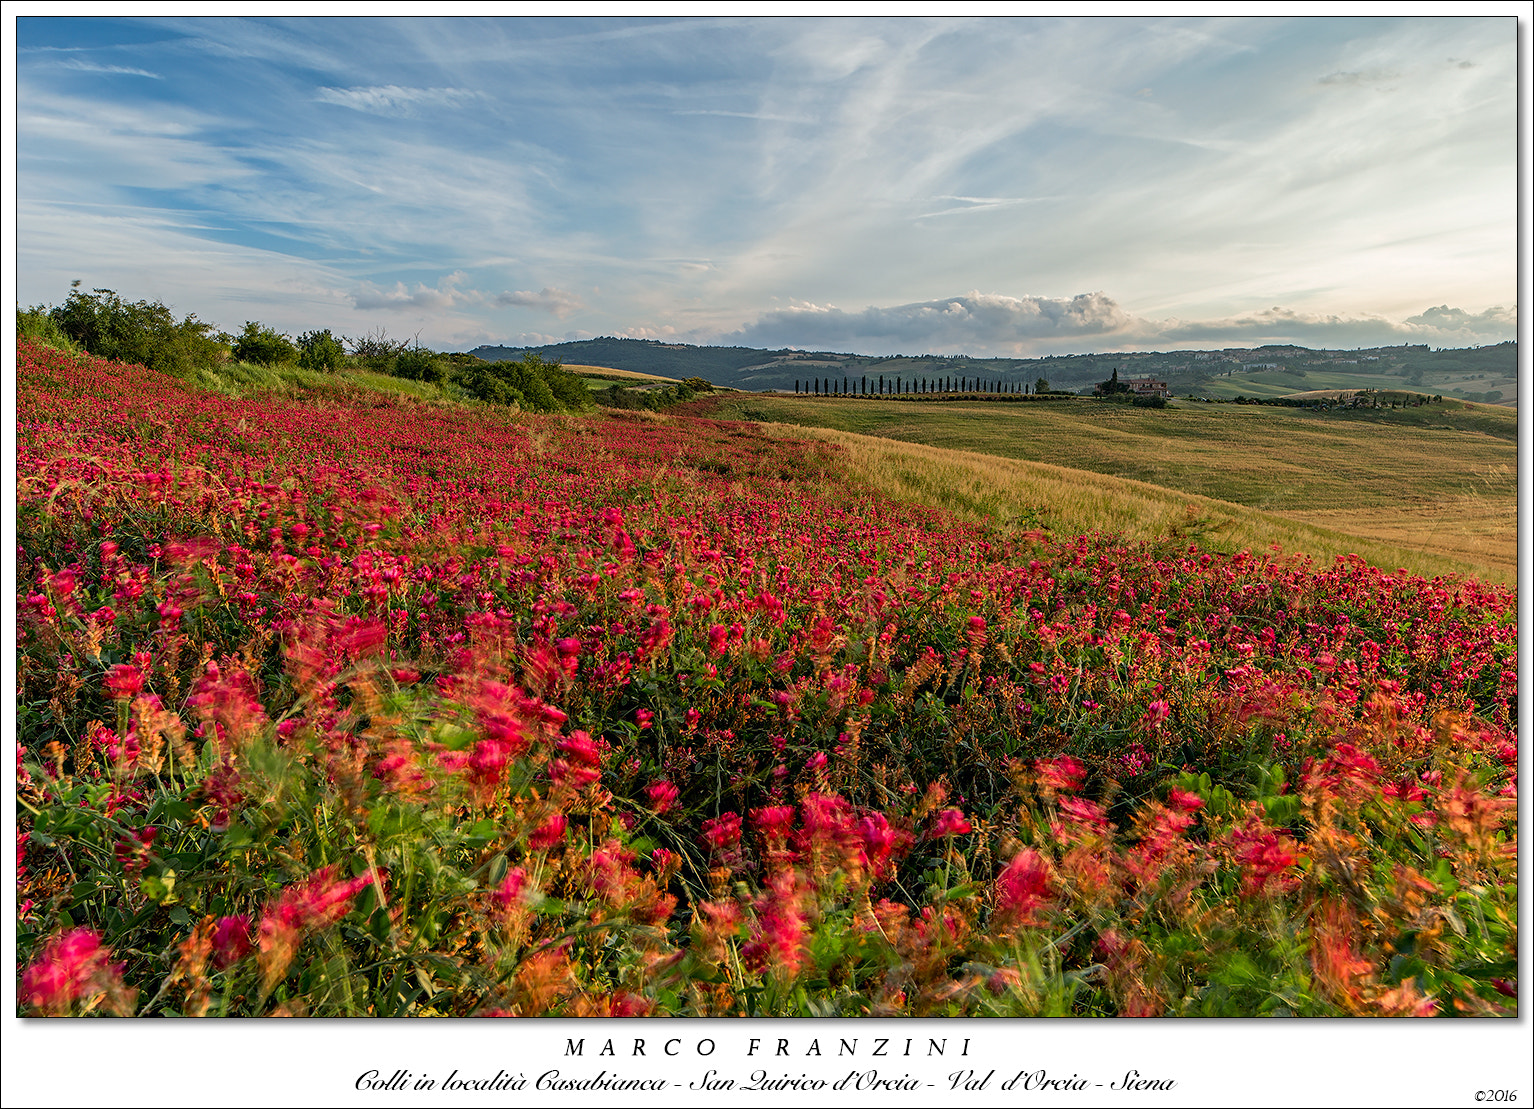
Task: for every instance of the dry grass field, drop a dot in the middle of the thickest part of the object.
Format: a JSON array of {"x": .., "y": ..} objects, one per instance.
[
  {"x": 1434, "y": 489},
  {"x": 607, "y": 373}
]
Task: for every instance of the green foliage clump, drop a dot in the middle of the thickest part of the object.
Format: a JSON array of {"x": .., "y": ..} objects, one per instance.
[
  {"x": 144, "y": 332},
  {"x": 650, "y": 400},
  {"x": 264, "y": 346},
  {"x": 320, "y": 350},
  {"x": 698, "y": 385},
  {"x": 1150, "y": 402},
  {"x": 530, "y": 383},
  {"x": 377, "y": 351},
  {"x": 418, "y": 364}
]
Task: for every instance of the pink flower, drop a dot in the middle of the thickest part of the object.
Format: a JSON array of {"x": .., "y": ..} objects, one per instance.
[
  {"x": 951, "y": 822},
  {"x": 662, "y": 795},
  {"x": 774, "y": 821},
  {"x": 70, "y": 968},
  {"x": 881, "y": 842},
  {"x": 123, "y": 681},
  {"x": 231, "y": 940},
  {"x": 780, "y": 931},
  {"x": 722, "y": 831},
  {"x": 1187, "y": 802},
  {"x": 1079, "y": 810},
  {"x": 317, "y": 902},
  {"x": 1023, "y": 888},
  {"x": 1064, "y": 774},
  {"x": 1264, "y": 856},
  {"x": 512, "y": 890},
  {"x": 550, "y": 832}
]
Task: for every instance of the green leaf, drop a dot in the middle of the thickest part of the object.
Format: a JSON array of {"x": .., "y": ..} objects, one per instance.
[
  {"x": 237, "y": 838},
  {"x": 159, "y": 888}
]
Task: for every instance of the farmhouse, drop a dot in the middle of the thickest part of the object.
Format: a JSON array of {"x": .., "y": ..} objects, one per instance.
[{"x": 1148, "y": 387}]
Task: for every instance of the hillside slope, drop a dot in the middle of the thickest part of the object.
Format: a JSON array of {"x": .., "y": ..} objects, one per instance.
[{"x": 343, "y": 704}]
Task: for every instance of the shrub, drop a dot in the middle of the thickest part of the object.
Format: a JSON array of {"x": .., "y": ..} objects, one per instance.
[
  {"x": 320, "y": 350},
  {"x": 1150, "y": 402},
  {"x": 530, "y": 383},
  {"x": 418, "y": 364},
  {"x": 264, "y": 346},
  {"x": 144, "y": 332},
  {"x": 377, "y": 351}
]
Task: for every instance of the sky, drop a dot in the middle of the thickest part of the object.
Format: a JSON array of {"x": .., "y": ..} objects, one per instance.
[{"x": 983, "y": 186}]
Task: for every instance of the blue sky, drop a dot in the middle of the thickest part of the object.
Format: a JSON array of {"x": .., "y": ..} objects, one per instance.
[{"x": 983, "y": 186}]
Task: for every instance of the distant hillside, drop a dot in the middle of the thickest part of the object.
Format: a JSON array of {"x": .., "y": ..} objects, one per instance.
[{"x": 1487, "y": 374}]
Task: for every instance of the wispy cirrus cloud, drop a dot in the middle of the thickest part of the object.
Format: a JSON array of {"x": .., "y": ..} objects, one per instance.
[
  {"x": 387, "y": 100},
  {"x": 770, "y": 117},
  {"x": 980, "y": 204},
  {"x": 450, "y": 293},
  {"x": 82, "y": 65},
  {"x": 689, "y": 174},
  {"x": 1358, "y": 77}
]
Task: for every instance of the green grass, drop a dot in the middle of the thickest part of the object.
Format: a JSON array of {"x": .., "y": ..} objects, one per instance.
[{"x": 246, "y": 379}]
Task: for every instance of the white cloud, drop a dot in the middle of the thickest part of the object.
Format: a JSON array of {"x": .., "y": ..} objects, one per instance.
[
  {"x": 1442, "y": 326},
  {"x": 974, "y": 322},
  {"x": 444, "y": 295},
  {"x": 447, "y": 293},
  {"x": 385, "y": 100},
  {"x": 84, "y": 66},
  {"x": 981, "y": 324},
  {"x": 1445, "y": 318},
  {"x": 556, "y": 301},
  {"x": 1358, "y": 77},
  {"x": 770, "y": 117}
]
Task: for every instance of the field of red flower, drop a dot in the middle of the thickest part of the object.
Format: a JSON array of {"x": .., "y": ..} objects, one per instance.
[{"x": 342, "y": 704}]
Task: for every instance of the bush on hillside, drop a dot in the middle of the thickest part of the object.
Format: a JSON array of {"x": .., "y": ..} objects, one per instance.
[
  {"x": 320, "y": 350},
  {"x": 264, "y": 346},
  {"x": 377, "y": 351},
  {"x": 418, "y": 364},
  {"x": 531, "y": 384},
  {"x": 143, "y": 332}
]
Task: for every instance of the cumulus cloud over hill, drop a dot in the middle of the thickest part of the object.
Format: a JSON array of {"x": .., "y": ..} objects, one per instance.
[
  {"x": 963, "y": 322},
  {"x": 979, "y": 323}
]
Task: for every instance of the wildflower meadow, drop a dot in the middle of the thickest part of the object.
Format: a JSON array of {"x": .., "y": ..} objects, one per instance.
[{"x": 338, "y": 703}]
